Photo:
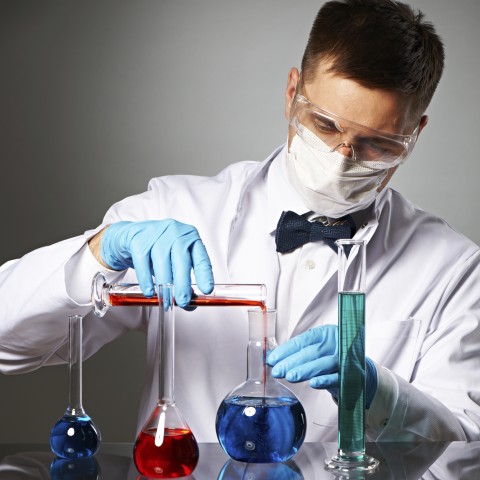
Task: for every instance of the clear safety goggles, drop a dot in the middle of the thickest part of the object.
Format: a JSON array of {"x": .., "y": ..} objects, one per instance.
[{"x": 371, "y": 148}]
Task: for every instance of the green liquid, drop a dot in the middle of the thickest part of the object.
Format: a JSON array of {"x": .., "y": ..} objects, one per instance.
[{"x": 351, "y": 399}]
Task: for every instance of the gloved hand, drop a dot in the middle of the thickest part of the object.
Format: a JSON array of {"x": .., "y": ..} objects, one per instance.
[
  {"x": 313, "y": 355},
  {"x": 166, "y": 249}
]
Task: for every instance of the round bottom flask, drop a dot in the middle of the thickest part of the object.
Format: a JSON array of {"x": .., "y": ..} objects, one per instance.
[
  {"x": 261, "y": 420},
  {"x": 166, "y": 447}
]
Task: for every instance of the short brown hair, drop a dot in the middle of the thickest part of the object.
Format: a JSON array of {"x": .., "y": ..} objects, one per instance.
[{"x": 379, "y": 44}]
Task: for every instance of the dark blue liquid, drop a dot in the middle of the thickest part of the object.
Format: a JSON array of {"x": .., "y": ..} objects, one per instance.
[
  {"x": 74, "y": 437},
  {"x": 261, "y": 430},
  {"x": 74, "y": 469}
]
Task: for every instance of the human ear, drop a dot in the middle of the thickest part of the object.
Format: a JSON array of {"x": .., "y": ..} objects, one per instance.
[
  {"x": 293, "y": 79},
  {"x": 423, "y": 122}
]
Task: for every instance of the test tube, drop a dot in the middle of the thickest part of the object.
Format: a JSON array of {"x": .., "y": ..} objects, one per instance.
[
  {"x": 105, "y": 295},
  {"x": 351, "y": 457}
]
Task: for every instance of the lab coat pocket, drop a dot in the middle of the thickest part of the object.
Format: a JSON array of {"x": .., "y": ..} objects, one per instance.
[{"x": 394, "y": 344}]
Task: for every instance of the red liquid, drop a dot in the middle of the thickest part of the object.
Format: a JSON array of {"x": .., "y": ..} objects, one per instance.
[
  {"x": 122, "y": 300},
  {"x": 176, "y": 457}
]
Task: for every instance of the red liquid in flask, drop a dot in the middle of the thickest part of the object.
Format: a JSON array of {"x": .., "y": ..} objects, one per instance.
[{"x": 176, "y": 457}]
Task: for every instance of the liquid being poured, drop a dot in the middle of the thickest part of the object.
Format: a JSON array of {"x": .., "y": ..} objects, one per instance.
[
  {"x": 74, "y": 437},
  {"x": 176, "y": 457},
  {"x": 261, "y": 430}
]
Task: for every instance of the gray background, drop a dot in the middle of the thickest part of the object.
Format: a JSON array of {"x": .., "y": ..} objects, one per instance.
[{"x": 98, "y": 96}]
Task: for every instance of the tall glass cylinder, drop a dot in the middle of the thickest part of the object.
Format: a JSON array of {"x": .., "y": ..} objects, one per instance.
[
  {"x": 166, "y": 447},
  {"x": 351, "y": 369}
]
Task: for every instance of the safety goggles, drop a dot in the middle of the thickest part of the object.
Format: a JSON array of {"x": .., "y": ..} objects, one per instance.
[{"x": 372, "y": 148}]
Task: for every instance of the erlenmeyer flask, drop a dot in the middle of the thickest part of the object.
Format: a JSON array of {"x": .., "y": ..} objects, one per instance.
[
  {"x": 261, "y": 420},
  {"x": 166, "y": 447},
  {"x": 75, "y": 435}
]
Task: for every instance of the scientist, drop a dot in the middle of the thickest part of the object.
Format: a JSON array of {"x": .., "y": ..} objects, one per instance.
[{"x": 355, "y": 109}]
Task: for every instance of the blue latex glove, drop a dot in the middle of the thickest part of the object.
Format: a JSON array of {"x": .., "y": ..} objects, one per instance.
[
  {"x": 166, "y": 249},
  {"x": 313, "y": 355}
]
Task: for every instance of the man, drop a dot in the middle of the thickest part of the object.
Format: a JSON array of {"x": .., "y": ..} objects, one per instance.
[{"x": 355, "y": 112}]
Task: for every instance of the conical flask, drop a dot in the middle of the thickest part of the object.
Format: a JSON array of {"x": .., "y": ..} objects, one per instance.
[
  {"x": 75, "y": 435},
  {"x": 166, "y": 447},
  {"x": 261, "y": 420}
]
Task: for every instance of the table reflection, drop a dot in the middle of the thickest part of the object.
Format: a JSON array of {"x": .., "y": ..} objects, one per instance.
[{"x": 398, "y": 461}]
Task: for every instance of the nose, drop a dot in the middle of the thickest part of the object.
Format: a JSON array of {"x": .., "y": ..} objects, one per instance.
[{"x": 346, "y": 149}]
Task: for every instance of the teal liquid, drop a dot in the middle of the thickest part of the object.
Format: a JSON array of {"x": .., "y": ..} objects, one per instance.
[{"x": 351, "y": 400}]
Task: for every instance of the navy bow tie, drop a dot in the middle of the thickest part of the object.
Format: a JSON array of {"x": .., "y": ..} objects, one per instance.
[{"x": 293, "y": 231}]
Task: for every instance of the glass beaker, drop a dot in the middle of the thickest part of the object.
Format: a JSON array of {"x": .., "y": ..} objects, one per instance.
[
  {"x": 75, "y": 435},
  {"x": 351, "y": 458},
  {"x": 261, "y": 420},
  {"x": 105, "y": 295},
  {"x": 166, "y": 447}
]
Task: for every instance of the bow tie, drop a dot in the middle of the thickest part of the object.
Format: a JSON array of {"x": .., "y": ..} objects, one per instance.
[{"x": 293, "y": 231}]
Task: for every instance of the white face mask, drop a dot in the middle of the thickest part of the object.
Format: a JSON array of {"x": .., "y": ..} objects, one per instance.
[{"x": 330, "y": 183}]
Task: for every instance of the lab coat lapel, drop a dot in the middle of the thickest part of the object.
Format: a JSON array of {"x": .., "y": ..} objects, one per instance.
[{"x": 251, "y": 252}]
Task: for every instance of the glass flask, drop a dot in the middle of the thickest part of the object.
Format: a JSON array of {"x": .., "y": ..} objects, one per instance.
[
  {"x": 75, "y": 435},
  {"x": 351, "y": 458},
  {"x": 166, "y": 447},
  {"x": 261, "y": 420},
  {"x": 105, "y": 295}
]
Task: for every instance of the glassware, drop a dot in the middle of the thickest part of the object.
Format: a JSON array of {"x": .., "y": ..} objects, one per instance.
[
  {"x": 75, "y": 435},
  {"x": 261, "y": 420},
  {"x": 105, "y": 295},
  {"x": 351, "y": 458},
  {"x": 166, "y": 447}
]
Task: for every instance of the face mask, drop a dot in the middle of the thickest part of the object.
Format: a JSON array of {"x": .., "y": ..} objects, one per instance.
[{"x": 330, "y": 183}]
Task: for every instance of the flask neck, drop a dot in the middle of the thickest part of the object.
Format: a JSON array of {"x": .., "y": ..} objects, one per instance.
[{"x": 257, "y": 351}]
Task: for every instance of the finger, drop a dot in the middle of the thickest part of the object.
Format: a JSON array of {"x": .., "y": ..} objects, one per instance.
[
  {"x": 316, "y": 335},
  {"x": 202, "y": 267},
  {"x": 143, "y": 269},
  {"x": 181, "y": 268},
  {"x": 327, "y": 382},
  {"x": 313, "y": 368}
]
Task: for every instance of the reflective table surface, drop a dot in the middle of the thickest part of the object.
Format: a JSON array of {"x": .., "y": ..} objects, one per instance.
[{"x": 398, "y": 461}]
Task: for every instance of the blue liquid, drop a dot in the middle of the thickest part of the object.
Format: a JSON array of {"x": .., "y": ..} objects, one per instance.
[
  {"x": 74, "y": 437},
  {"x": 261, "y": 430},
  {"x": 351, "y": 411},
  {"x": 74, "y": 469}
]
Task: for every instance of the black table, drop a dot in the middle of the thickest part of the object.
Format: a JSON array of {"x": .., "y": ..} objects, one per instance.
[{"x": 398, "y": 461}]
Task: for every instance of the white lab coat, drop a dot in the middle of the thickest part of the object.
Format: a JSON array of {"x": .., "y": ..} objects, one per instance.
[{"x": 423, "y": 308}]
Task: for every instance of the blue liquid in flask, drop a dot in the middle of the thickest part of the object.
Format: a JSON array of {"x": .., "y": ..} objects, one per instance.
[
  {"x": 74, "y": 437},
  {"x": 261, "y": 429}
]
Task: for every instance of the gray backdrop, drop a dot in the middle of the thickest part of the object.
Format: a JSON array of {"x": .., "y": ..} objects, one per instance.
[{"x": 98, "y": 96}]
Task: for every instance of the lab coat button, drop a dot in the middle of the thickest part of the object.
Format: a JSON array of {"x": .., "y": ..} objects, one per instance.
[{"x": 310, "y": 264}]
